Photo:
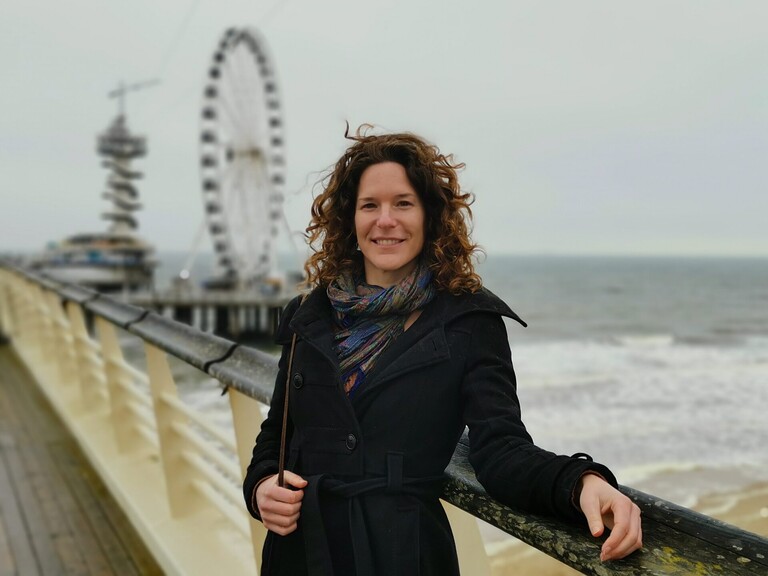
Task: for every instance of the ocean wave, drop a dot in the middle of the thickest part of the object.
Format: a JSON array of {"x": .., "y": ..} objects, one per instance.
[
  {"x": 689, "y": 483},
  {"x": 645, "y": 340},
  {"x": 637, "y": 474}
]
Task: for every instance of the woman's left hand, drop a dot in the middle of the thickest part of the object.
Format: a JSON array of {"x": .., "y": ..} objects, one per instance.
[{"x": 606, "y": 507}]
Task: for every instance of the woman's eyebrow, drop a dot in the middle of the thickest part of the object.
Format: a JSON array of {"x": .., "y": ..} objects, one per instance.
[{"x": 375, "y": 198}]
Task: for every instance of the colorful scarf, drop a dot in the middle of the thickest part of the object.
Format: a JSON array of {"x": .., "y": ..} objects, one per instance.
[{"x": 368, "y": 318}]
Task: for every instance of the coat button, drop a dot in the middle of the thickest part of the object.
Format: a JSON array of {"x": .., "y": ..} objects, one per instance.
[
  {"x": 298, "y": 380},
  {"x": 351, "y": 442}
]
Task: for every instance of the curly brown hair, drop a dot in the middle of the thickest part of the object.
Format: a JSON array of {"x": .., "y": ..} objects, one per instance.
[{"x": 448, "y": 249}]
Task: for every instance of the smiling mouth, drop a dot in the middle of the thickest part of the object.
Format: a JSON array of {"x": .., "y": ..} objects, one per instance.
[{"x": 387, "y": 242}]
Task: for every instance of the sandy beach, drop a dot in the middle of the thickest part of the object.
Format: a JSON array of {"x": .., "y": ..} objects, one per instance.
[{"x": 747, "y": 509}]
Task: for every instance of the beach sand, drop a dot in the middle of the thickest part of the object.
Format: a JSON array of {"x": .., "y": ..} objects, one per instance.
[{"x": 747, "y": 509}]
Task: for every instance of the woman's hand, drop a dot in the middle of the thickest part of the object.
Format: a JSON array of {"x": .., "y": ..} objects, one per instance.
[
  {"x": 606, "y": 507},
  {"x": 279, "y": 507}
]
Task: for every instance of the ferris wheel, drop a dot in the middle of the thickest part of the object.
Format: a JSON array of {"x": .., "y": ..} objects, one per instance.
[{"x": 242, "y": 158}]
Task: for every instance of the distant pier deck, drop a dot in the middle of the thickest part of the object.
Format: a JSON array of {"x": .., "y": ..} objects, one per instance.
[
  {"x": 234, "y": 313},
  {"x": 56, "y": 516}
]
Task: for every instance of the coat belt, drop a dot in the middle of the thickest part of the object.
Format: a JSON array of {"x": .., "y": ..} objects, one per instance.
[{"x": 315, "y": 538}]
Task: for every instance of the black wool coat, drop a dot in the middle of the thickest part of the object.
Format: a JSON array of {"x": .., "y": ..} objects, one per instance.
[{"x": 375, "y": 462}]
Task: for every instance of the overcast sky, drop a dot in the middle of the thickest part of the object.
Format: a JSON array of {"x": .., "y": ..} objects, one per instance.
[{"x": 586, "y": 126}]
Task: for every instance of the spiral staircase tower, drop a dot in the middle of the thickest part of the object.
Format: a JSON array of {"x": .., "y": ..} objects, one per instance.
[{"x": 119, "y": 148}]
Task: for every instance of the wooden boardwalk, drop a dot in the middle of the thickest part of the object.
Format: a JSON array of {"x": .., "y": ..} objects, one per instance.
[{"x": 56, "y": 516}]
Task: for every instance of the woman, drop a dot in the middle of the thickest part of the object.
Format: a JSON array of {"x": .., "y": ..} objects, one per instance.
[{"x": 398, "y": 348}]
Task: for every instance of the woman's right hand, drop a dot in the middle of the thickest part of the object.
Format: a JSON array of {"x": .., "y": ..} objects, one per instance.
[{"x": 279, "y": 507}]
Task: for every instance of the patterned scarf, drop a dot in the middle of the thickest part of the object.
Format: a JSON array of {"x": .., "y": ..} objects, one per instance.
[{"x": 368, "y": 318}]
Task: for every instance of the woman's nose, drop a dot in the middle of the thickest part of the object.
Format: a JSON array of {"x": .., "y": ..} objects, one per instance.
[{"x": 385, "y": 219}]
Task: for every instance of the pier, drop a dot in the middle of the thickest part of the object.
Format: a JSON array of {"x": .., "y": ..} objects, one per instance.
[
  {"x": 238, "y": 314},
  {"x": 176, "y": 476}
]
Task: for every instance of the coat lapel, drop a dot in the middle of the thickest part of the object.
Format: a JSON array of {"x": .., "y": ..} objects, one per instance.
[
  {"x": 423, "y": 344},
  {"x": 312, "y": 323},
  {"x": 407, "y": 355}
]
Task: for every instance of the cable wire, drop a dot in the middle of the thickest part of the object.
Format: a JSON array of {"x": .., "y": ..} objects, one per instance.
[{"x": 173, "y": 46}]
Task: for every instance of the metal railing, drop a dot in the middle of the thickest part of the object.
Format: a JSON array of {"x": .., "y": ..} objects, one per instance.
[{"x": 178, "y": 476}]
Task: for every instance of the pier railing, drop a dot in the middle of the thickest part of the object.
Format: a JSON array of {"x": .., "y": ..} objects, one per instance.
[{"x": 177, "y": 475}]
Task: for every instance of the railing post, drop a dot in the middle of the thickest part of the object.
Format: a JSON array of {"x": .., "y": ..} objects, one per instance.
[
  {"x": 18, "y": 304},
  {"x": 123, "y": 417},
  {"x": 55, "y": 312},
  {"x": 247, "y": 418},
  {"x": 183, "y": 499},
  {"x": 25, "y": 319},
  {"x": 46, "y": 340},
  {"x": 67, "y": 378},
  {"x": 9, "y": 325},
  {"x": 66, "y": 354},
  {"x": 473, "y": 559},
  {"x": 89, "y": 382},
  {"x": 6, "y": 327}
]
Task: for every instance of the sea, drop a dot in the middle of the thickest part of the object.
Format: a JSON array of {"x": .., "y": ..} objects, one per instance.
[{"x": 655, "y": 366}]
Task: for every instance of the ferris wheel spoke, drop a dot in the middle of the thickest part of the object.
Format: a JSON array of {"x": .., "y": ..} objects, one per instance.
[
  {"x": 248, "y": 127},
  {"x": 230, "y": 117},
  {"x": 256, "y": 91},
  {"x": 247, "y": 215},
  {"x": 241, "y": 110},
  {"x": 258, "y": 182},
  {"x": 235, "y": 65},
  {"x": 227, "y": 178},
  {"x": 241, "y": 89},
  {"x": 229, "y": 109},
  {"x": 234, "y": 191},
  {"x": 259, "y": 243},
  {"x": 230, "y": 121},
  {"x": 236, "y": 196},
  {"x": 239, "y": 68},
  {"x": 252, "y": 239}
]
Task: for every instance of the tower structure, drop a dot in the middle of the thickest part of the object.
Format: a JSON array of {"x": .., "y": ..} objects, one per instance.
[{"x": 119, "y": 148}]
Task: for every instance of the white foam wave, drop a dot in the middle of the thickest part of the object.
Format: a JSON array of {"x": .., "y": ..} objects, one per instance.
[
  {"x": 640, "y": 473},
  {"x": 646, "y": 340}
]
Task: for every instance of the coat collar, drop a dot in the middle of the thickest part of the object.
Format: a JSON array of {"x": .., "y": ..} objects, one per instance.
[
  {"x": 451, "y": 307},
  {"x": 421, "y": 345},
  {"x": 313, "y": 318}
]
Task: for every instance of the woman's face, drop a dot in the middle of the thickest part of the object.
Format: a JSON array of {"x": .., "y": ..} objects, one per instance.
[{"x": 389, "y": 223}]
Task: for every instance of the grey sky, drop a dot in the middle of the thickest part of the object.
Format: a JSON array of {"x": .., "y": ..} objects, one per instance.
[{"x": 586, "y": 127}]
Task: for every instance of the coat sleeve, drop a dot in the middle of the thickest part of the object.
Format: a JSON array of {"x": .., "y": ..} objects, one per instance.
[
  {"x": 266, "y": 452},
  {"x": 508, "y": 464}
]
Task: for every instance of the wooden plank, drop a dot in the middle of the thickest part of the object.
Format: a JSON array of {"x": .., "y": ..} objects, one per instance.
[
  {"x": 54, "y": 501},
  {"x": 90, "y": 517},
  {"x": 34, "y": 519},
  {"x": 34, "y": 428},
  {"x": 134, "y": 546},
  {"x": 7, "y": 563},
  {"x": 22, "y": 554}
]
